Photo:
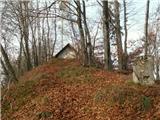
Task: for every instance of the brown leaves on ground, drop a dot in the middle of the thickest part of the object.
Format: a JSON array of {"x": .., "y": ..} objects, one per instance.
[{"x": 63, "y": 90}]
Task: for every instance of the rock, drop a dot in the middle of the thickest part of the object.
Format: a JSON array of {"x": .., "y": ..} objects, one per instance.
[{"x": 143, "y": 71}]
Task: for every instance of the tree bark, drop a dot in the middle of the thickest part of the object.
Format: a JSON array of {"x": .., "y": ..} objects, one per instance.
[
  {"x": 6, "y": 72},
  {"x": 146, "y": 29},
  {"x": 8, "y": 64},
  {"x": 20, "y": 56},
  {"x": 125, "y": 60},
  {"x": 82, "y": 37},
  {"x": 25, "y": 24},
  {"x": 48, "y": 36},
  {"x": 107, "y": 53},
  {"x": 118, "y": 35},
  {"x": 88, "y": 37},
  {"x": 39, "y": 36},
  {"x": 55, "y": 33}
]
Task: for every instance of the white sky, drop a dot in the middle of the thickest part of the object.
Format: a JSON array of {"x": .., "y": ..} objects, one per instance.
[
  {"x": 136, "y": 17},
  {"x": 135, "y": 20}
]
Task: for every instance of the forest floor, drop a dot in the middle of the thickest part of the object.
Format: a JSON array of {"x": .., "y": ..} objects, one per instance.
[{"x": 63, "y": 90}]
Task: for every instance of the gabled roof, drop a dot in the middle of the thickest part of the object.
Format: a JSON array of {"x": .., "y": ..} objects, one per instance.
[{"x": 64, "y": 48}]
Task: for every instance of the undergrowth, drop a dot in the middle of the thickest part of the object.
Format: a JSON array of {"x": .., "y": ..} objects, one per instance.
[
  {"x": 122, "y": 96},
  {"x": 73, "y": 75},
  {"x": 17, "y": 96}
]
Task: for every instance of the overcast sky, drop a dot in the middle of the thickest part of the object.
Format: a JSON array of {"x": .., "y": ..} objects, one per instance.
[{"x": 136, "y": 16}]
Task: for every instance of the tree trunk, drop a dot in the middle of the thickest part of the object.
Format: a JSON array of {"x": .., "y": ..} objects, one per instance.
[
  {"x": 88, "y": 37},
  {"x": 157, "y": 70},
  {"x": 20, "y": 56},
  {"x": 24, "y": 20},
  {"x": 118, "y": 35},
  {"x": 6, "y": 72},
  {"x": 125, "y": 60},
  {"x": 146, "y": 29},
  {"x": 8, "y": 64},
  {"x": 34, "y": 47},
  {"x": 107, "y": 54},
  {"x": 44, "y": 43},
  {"x": 55, "y": 33},
  {"x": 48, "y": 36},
  {"x": 39, "y": 54},
  {"x": 82, "y": 37}
]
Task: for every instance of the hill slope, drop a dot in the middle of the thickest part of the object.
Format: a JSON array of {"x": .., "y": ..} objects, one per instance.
[{"x": 63, "y": 90}]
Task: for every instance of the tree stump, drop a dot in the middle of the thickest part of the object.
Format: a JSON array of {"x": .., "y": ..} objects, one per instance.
[{"x": 143, "y": 71}]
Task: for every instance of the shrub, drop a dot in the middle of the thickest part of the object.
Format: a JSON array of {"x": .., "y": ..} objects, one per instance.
[
  {"x": 146, "y": 103},
  {"x": 44, "y": 114}
]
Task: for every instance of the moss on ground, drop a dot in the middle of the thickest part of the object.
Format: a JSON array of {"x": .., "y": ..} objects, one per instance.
[
  {"x": 73, "y": 75},
  {"x": 17, "y": 96},
  {"x": 123, "y": 96}
]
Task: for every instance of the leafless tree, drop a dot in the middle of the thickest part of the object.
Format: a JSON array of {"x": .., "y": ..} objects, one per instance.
[
  {"x": 107, "y": 53},
  {"x": 146, "y": 28}
]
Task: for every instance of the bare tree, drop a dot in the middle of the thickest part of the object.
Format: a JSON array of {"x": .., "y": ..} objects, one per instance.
[
  {"x": 81, "y": 31},
  {"x": 5, "y": 72},
  {"x": 88, "y": 37},
  {"x": 8, "y": 65},
  {"x": 125, "y": 60},
  {"x": 107, "y": 53},
  {"x": 25, "y": 29},
  {"x": 146, "y": 29},
  {"x": 118, "y": 35}
]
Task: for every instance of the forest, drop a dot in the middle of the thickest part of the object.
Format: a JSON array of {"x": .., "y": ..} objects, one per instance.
[{"x": 114, "y": 71}]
